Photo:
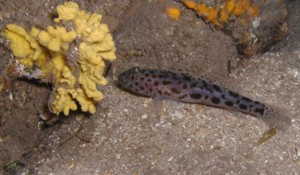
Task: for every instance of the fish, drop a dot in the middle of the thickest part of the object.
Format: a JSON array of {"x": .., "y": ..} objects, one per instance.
[{"x": 185, "y": 88}]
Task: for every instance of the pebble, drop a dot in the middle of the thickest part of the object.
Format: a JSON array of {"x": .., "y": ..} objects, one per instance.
[
  {"x": 178, "y": 114},
  {"x": 79, "y": 117},
  {"x": 144, "y": 116}
]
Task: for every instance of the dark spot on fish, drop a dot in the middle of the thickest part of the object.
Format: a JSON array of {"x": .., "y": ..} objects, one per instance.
[
  {"x": 151, "y": 72},
  {"x": 217, "y": 88},
  {"x": 204, "y": 84},
  {"x": 136, "y": 83},
  {"x": 193, "y": 85},
  {"x": 260, "y": 105},
  {"x": 229, "y": 103},
  {"x": 246, "y": 99},
  {"x": 184, "y": 86},
  {"x": 159, "y": 91},
  {"x": 167, "y": 93},
  {"x": 215, "y": 100},
  {"x": 142, "y": 88},
  {"x": 149, "y": 80},
  {"x": 165, "y": 82},
  {"x": 136, "y": 90},
  {"x": 142, "y": 78},
  {"x": 256, "y": 102},
  {"x": 151, "y": 90},
  {"x": 155, "y": 83},
  {"x": 186, "y": 78},
  {"x": 153, "y": 76},
  {"x": 130, "y": 86},
  {"x": 175, "y": 91},
  {"x": 206, "y": 97},
  {"x": 146, "y": 74},
  {"x": 233, "y": 94},
  {"x": 251, "y": 108},
  {"x": 223, "y": 96},
  {"x": 237, "y": 102},
  {"x": 260, "y": 111},
  {"x": 195, "y": 96},
  {"x": 243, "y": 107}
]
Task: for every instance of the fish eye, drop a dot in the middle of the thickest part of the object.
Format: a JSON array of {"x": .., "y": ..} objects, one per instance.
[{"x": 131, "y": 76}]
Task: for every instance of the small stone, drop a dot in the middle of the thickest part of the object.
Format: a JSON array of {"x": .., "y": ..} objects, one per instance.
[
  {"x": 178, "y": 114},
  {"x": 144, "y": 116},
  {"x": 79, "y": 117}
]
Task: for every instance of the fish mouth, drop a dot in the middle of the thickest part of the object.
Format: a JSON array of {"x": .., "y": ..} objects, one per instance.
[{"x": 123, "y": 81}]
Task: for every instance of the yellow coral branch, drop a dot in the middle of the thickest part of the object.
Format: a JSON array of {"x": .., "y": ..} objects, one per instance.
[
  {"x": 47, "y": 51},
  {"x": 23, "y": 45}
]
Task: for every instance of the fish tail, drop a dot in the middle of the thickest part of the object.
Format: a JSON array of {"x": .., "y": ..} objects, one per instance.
[{"x": 276, "y": 117}]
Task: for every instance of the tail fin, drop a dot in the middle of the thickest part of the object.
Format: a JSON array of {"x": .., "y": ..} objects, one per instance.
[{"x": 276, "y": 118}]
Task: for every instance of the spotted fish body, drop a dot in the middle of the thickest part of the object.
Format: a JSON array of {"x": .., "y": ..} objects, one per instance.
[{"x": 181, "y": 87}]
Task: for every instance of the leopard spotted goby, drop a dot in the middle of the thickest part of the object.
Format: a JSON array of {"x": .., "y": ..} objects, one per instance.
[{"x": 184, "y": 88}]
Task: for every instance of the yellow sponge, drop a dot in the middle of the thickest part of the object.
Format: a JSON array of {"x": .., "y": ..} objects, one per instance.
[{"x": 76, "y": 77}]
